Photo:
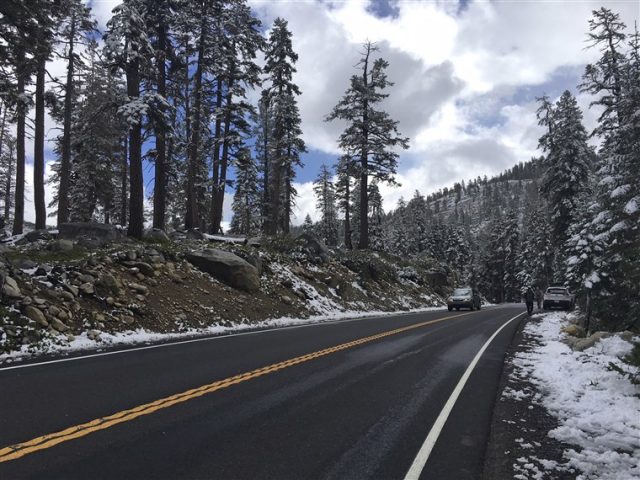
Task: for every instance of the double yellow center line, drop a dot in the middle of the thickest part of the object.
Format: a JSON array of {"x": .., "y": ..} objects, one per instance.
[{"x": 43, "y": 442}]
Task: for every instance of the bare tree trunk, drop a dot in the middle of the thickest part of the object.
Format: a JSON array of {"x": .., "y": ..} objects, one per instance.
[
  {"x": 220, "y": 187},
  {"x": 191, "y": 219},
  {"x": 65, "y": 157},
  {"x": 21, "y": 114},
  {"x": 160, "y": 182},
  {"x": 265, "y": 181},
  {"x": 364, "y": 159},
  {"x": 38, "y": 147},
  {"x": 136, "y": 193},
  {"x": 124, "y": 179},
  {"x": 347, "y": 216},
  {"x": 7, "y": 203},
  {"x": 215, "y": 177}
]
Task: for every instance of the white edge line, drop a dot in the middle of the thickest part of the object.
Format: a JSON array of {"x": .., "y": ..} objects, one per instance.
[
  {"x": 423, "y": 454},
  {"x": 208, "y": 338}
]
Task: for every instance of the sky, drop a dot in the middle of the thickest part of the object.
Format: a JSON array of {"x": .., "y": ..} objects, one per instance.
[{"x": 466, "y": 76}]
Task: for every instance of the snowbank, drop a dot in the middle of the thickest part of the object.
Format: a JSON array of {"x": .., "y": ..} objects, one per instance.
[
  {"x": 59, "y": 344},
  {"x": 597, "y": 408}
]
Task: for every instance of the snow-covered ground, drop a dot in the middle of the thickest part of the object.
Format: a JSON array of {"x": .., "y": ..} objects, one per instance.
[
  {"x": 60, "y": 344},
  {"x": 596, "y": 407}
]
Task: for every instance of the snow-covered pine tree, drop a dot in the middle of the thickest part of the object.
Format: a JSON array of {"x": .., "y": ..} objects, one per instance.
[
  {"x": 615, "y": 81},
  {"x": 75, "y": 23},
  {"x": 536, "y": 256},
  {"x": 344, "y": 195},
  {"x": 307, "y": 225},
  {"x": 370, "y": 135},
  {"x": 246, "y": 199},
  {"x": 238, "y": 46},
  {"x": 96, "y": 133},
  {"x": 568, "y": 164},
  {"x": 324, "y": 191},
  {"x": 18, "y": 28},
  {"x": 286, "y": 142},
  {"x": 128, "y": 46}
]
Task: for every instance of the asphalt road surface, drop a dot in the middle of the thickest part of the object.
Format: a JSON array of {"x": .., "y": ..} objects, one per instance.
[{"x": 344, "y": 400}]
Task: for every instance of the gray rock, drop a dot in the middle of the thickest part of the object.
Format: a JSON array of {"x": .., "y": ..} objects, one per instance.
[
  {"x": 157, "y": 235},
  {"x": 25, "y": 264},
  {"x": 315, "y": 248},
  {"x": 61, "y": 245},
  {"x": 195, "y": 234},
  {"x": 86, "y": 278},
  {"x": 143, "y": 267},
  {"x": 109, "y": 283},
  {"x": 139, "y": 288},
  {"x": 10, "y": 289},
  {"x": 93, "y": 335},
  {"x": 98, "y": 232},
  {"x": 35, "y": 235},
  {"x": 53, "y": 310},
  {"x": 72, "y": 289},
  {"x": 286, "y": 300},
  {"x": 39, "y": 301},
  {"x": 87, "y": 289},
  {"x": 36, "y": 315},
  {"x": 66, "y": 295},
  {"x": 59, "y": 325},
  {"x": 226, "y": 267}
]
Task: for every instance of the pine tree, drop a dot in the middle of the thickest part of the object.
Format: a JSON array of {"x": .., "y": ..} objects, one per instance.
[
  {"x": 75, "y": 23},
  {"x": 326, "y": 203},
  {"x": 344, "y": 196},
  {"x": 239, "y": 48},
  {"x": 246, "y": 199},
  {"x": 370, "y": 133},
  {"x": 568, "y": 163},
  {"x": 127, "y": 44},
  {"x": 615, "y": 79},
  {"x": 286, "y": 142},
  {"x": 96, "y": 133}
]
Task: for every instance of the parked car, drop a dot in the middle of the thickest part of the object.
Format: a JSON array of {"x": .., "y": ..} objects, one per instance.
[
  {"x": 464, "y": 297},
  {"x": 558, "y": 297}
]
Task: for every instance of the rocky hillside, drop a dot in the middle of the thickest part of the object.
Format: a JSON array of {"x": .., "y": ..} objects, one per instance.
[{"x": 89, "y": 282}]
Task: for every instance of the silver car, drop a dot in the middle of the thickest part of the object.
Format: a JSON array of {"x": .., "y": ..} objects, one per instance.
[
  {"x": 558, "y": 297},
  {"x": 464, "y": 297}
]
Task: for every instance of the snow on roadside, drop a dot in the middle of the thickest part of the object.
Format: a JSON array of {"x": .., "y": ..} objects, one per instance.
[
  {"x": 59, "y": 345},
  {"x": 597, "y": 409}
]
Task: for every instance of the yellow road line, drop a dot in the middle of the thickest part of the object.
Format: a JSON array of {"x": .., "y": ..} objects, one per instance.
[{"x": 43, "y": 442}]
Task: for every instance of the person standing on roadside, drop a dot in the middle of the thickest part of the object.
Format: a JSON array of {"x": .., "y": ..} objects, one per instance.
[{"x": 529, "y": 296}]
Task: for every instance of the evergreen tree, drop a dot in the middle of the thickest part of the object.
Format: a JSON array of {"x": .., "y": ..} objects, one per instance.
[
  {"x": 568, "y": 163},
  {"x": 75, "y": 23},
  {"x": 246, "y": 199},
  {"x": 286, "y": 142},
  {"x": 370, "y": 133},
  {"x": 127, "y": 44},
  {"x": 344, "y": 196},
  {"x": 615, "y": 79},
  {"x": 326, "y": 203}
]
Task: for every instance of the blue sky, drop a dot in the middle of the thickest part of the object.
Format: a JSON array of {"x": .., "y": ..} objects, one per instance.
[{"x": 466, "y": 77}]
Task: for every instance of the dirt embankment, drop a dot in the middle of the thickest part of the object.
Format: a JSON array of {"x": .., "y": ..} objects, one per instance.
[{"x": 56, "y": 290}]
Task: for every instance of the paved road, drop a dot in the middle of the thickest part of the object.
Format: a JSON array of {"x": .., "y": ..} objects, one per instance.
[{"x": 345, "y": 400}]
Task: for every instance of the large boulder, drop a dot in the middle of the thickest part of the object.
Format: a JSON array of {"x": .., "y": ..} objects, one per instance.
[
  {"x": 157, "y": 235},
  {"x": 226, "y": 267},
  {"x": 313, "y": 247},
  {"x": 90, "y": 233}
]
